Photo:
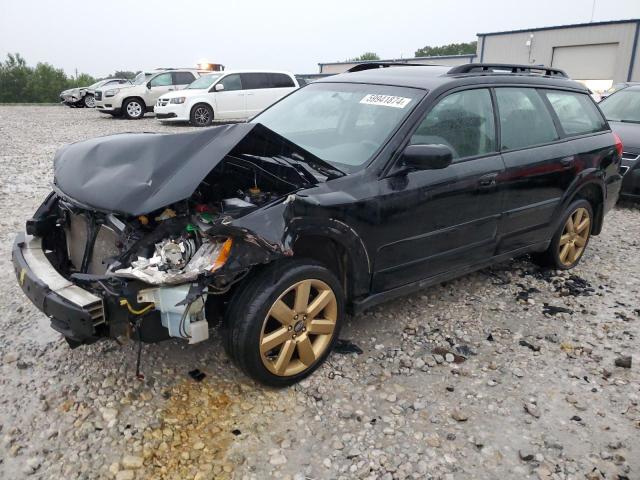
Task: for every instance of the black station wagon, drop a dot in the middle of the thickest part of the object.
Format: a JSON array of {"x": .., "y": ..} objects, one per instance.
[{"x": 350, "y": 191}]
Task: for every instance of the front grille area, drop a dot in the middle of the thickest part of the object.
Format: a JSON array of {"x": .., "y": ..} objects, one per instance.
[
  {"x": 98, "y": 95},
  {"x": 162, "y": 102},
  {"x": 628, "y": 161}
]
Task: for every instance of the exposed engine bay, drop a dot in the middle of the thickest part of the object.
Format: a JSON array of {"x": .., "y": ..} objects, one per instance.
[{"x": 165, "y": 263}]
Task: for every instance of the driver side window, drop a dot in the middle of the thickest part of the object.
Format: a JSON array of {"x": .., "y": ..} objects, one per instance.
[
  {"x": 161, "y": 80},
  {"x": 463, "y": 121}
]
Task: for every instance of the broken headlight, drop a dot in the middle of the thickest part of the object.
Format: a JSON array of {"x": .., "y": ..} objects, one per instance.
[{"x": 178, "y": 261}]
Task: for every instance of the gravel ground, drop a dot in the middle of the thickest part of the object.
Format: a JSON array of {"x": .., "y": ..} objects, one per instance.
[{"x": 476, "y": 378}]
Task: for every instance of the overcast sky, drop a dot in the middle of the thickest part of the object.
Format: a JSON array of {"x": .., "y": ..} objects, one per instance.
[{"x": 100, "y": 37}]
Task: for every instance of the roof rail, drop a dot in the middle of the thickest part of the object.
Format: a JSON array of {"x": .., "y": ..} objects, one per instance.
[
  {"x": 371, "y": 65},
  {"x": 508, "y": 68}
]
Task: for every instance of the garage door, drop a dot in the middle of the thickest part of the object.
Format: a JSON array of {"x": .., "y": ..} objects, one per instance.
[{"x": 587, "y": 62}]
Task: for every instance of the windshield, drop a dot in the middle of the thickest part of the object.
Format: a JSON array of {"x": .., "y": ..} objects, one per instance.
[
  {"x": 203, "y": 82},
  {"x": 96, "y": 85},
  {"x": 141, "y": 78},
  {"x": 622, "y": 106},
  {"x": 343, "y": 124}
]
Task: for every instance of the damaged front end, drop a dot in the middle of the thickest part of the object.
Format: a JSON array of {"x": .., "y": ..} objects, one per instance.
[{"x": 144, "y": 233}]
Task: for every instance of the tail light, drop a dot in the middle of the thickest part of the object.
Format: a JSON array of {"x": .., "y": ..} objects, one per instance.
[{"x": 619, "y": 146}]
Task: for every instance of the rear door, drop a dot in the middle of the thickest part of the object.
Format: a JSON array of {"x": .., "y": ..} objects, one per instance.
[
  {"x": 230, "y": 102},
  {"x": 182, "y": 79},
  {"x": 441, "y": 221},
  {"x": 258, "y": 91}
]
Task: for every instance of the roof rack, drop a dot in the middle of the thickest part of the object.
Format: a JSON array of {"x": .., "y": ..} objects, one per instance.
[
  {"x": 371, "y": 65},
  {"x": 508, "y": 68}
]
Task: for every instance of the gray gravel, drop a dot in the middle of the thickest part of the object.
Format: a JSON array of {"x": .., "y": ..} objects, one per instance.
[{"x": 469, "y": 379}]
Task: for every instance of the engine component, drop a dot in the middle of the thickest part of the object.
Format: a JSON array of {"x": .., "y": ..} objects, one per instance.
[
  {"x": 210, "y": 256},
  {"x": 175, "y": 254},
  {"x": 182, "y": 321}
]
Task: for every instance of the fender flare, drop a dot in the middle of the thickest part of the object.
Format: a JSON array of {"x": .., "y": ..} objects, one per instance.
[
  {"x": 586, "y": 178},
  {"x": 359, "y": 268}
]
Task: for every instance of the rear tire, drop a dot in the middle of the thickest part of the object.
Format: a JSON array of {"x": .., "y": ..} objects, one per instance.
[
  {"x": 201, "y": 115},
  {"x": 133, "y": 109},
  {"x": 570, "y": 240},
  {"x": 281, "y": 324}
]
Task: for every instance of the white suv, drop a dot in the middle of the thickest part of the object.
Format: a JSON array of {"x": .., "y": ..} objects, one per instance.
[
  {"x": 133, "y": 101},
  {"x": 230, "y": 95}
]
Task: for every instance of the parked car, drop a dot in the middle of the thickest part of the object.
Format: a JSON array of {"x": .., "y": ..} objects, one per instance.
[
  {"x": 617, "y": 87},
  {"x": 622, "y": 110},
  {"x": 351, "y": 191},
  {"x": 84, "y": 96},
  {"x": 231, "y": 95},
  {"x": 133, "y": 101}
]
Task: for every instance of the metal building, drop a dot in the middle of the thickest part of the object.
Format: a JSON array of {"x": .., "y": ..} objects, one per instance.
[{"x": 598, "y": 53}]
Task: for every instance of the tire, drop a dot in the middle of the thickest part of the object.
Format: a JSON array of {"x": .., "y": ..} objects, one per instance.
[
  {"x": 201, "y": 115},
  {"x": 568, "y": 243},
  {"x": 133, "y": 109},
  {"x": 89, "y": 101},
  {"x": 250, "y": 326}
]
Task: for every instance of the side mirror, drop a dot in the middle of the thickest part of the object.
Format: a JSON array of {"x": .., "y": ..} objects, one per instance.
[
  {"x": 426, "y": 157},
  {"x": 219, "y": 87},
  {"x": 149, "y": 85}
]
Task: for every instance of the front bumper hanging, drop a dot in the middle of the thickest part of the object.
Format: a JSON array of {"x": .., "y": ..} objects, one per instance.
[{"x": 74, "y": 312}]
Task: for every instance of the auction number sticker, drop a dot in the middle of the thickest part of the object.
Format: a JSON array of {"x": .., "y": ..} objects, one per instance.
[{"x": 385, "y": 100}]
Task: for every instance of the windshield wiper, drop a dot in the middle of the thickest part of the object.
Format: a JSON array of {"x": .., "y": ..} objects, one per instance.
[{"x": 627, "y": 121}]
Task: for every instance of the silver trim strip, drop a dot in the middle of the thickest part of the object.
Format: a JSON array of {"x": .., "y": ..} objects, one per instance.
[{"x": 39, "y": 264}]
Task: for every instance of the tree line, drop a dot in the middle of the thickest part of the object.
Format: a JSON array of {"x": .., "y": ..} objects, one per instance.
[
  {"x": 20, "y": 83},
  {"x": 428, "y": 51}
]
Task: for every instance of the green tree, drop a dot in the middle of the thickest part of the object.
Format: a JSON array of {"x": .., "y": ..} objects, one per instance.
[
  {"x": 13, "y": 78},
  {"x": 83, "y": 80},
  {"x": 365, "y": 57},
  {"x": 45, "y": 84},
  {"x": 450, "y": 49}
]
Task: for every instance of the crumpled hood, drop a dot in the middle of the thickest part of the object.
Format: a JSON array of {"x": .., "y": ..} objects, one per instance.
[{"x": 136, "y": 173}]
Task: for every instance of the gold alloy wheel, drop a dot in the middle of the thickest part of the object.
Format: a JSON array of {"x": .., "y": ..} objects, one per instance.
[
  {"x": 574, "y": 237},
  {"x": 298, "y": 328}
]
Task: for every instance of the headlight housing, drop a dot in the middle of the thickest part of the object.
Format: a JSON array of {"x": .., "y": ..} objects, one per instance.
[
  {"x": 178, "y": 261},
  {"x": 111, "y": 93},
  {"x": 177, "y": 100}
]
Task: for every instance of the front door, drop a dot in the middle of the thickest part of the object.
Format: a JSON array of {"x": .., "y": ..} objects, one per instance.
[
  {"x": 158, "y": 85},
  {"x": 433, "y": 222},
  {"x": 230, "y": 102}
]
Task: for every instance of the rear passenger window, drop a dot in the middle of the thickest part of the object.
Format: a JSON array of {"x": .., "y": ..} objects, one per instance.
[
  {"x": 462, "y": 121},
  {"x": 183, "y": 78},
  {"x": 280, "y": 80},
  {"x": 576, "y": 112},
  {"x": 252, "y": 81},
  {"x": 524, "y": 118},
  {"x": 231, "y": 82}
]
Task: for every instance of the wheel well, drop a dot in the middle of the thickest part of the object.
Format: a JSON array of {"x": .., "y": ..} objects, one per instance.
[
  {"x": 328, "y": 252},
  {"x": 200, "y": 103},
  {"x": 135, "y": 98},
  {"x": 593, "y": 194}
]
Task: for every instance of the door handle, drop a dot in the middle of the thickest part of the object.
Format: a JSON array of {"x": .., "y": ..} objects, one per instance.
[
  {"x": 567, "y": 162},
  {"x": 488, "y": 180}
]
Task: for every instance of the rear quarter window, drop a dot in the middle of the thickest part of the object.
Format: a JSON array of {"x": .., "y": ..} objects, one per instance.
[
  {"x": 576, "y": 112},
  {"x": 281, "y": 80}
]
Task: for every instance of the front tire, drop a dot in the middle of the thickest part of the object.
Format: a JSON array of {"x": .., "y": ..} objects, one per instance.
[
  {"x": 133, "y": 109},
  {"x": 201, "y": 115},
  {"x": 570, "y": 240},
  {"x": 89, "y": 101},
  {"x": 281, "y": 325}
]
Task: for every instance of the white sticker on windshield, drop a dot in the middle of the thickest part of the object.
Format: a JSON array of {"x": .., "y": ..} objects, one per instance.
[{"x": 386, "y": 100}]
